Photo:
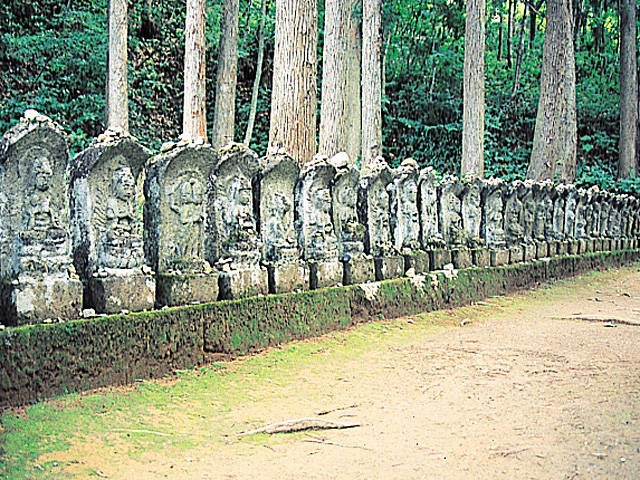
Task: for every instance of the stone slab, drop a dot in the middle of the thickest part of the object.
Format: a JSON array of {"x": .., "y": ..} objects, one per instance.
[
  {"x": 360, "y": 270},
  {"x": 542, "y": 250},
  {"x": 243, "y": 282},
  {"x": 499, "y": 257},
  {"x": 462, "y": 258},
  {"x": 439, "y": 258},
  {"x": 530, "y": 251},
  {"x": 25, "y": 303},
  {"x": 516, "y": 254},
  {"x": 117, "y": 293},
  {"x": 389, "y": 267},
  {"x": 419, "y": 260},
  {"x": 553, "y": 248},
  {"x": 582, "y": 246},
  {"x": 481, "y": 257},
  {"x": 563, "y": 248},
  {"x": 325, "y": 274},
  {"x": 174, "y": 290},
  {"x": 288, "y": 277},
  {"x": 573, "y": 247}
]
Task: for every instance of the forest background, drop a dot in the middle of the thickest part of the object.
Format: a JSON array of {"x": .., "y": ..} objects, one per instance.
[{"x": 53, "y": 58}]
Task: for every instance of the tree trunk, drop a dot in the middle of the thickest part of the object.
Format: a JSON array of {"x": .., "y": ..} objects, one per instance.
[
  {"x": 554, "y": 143},
  {"x": 194, "y": 121},
  {"x": 224, "y": 114},
  {"x": 333, "y": 128},
  {"x": 472, "y": 164},
  {"x": 627, "y": 165},
  {"x": 117, "y": 110},
  {"x": 509, "y": 30},
  {"x": 294, "y": 97},
  {"x": 371, "y": 81},
  {"x": 256, "y": 81},
  {"x": 517, "y": 74},
  {"x": 353, "y": 103}
]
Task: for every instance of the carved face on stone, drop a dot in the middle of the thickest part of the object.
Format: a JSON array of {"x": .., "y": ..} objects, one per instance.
[
  {"x": 42, "y": 172},
  {"x": 123, "y": 184}
]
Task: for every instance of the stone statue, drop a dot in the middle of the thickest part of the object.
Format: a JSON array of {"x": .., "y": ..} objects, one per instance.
[
  {"x": 429, "y": 219},
  {"x": 450, "y": 212},
  {"x": 471, "y": 210},
  {"x": 525, "y": 194},
  {"x": 494, "y": 233},
  {"x": 513, "y": 215},
  {"x": 374, "y": 205},
  {"x": 187, "y": 200},
  {"x": 405, "y": 218}
]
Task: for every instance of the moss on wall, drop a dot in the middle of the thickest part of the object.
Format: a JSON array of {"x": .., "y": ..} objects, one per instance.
[{"x": 41, "y": 361}]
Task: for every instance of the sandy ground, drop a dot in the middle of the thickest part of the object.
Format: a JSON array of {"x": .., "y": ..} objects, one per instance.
[{"x": 545, "y": 387}]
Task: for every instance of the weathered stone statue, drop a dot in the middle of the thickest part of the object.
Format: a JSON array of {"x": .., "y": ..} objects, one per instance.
[
  {"x": 450, "y": 212},
  {"x": 471, "y": 211},
  {"x": 513, "y": 215},
  {"x": 358, "y": 267},
  {"x": 38, "y": 280},
  {"x": 559, "y": 211},
  {"x": 525, "y": 194},
  {"x": 548, "y": 199},
  {"x": 176, "y": 220},
  {"x": 317, "y": 238},
  {"x": 494, "y": 233},
  {"x": 373, "y": 211},
  {"x": 236, "y": 247},
  {"x": 428, "y": 189},
  {"x": 277, "y": 214},
  {"x": 107, "y": 224},
  {"x": 405, "y": 218},
  {"x": 580, "y": 220}
]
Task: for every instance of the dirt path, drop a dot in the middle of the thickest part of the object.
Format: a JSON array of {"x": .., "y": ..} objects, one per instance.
[{"x": 522, "y": 390}]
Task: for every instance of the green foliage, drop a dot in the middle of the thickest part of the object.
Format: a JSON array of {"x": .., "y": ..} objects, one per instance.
[{"x": 53, "y": 58}]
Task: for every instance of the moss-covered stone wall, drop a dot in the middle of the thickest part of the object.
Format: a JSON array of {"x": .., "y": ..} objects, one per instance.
[{"x": 45, "y": 360}]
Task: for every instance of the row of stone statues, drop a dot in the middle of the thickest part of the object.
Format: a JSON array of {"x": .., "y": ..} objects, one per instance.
[{"x": 117, "y": 229}]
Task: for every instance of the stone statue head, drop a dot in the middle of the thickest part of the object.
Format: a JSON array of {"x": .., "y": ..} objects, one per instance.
[
  {"x": 42, "y": 171},
  {"x": 123, "y": 184}
]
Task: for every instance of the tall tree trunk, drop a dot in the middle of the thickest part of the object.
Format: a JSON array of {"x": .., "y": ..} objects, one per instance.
[
  {"x": 371, "y": 81},
  {"x": 294, "y": 97},
  {"x": 117, "y": 111},
  {"x": 256, "y": 81},
  {"x": 353, "y": 102},
  {"x": 333, "y": 131},
  {"x": 194, "y": 120},
  {"x": 517, "y": 74},
  {"x": 224, "y": 114},
  {"x": 510, "y": 8},
  {"x": 627, "y": 162},
  {"x": 472, "y": 164},
  {"x": 554, "y": 144}
]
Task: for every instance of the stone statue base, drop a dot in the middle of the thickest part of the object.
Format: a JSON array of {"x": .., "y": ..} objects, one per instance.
[
  {"x": 325, "y": 274},
  {"x": 113, "y": 294},
  {"x": 418, "y": 260},
  {"x": 359, "y": 270},
  {"x": 439, "y": 258},
  {"x": 288, "y": 277},
  {"x": 173, "y": 290},
  {"x": 563, "y": 248},
  {"x": 542, "y": 249},
  {"x": 243, "y": 282},
  {"x": 606, "y": 245},
  {"x": 29, "y": 302},
  {"x": 529, "y": 252},
  {"x": 481, "y": 258},
  {"x": 516, "y": 254},
  {"x": 388, "y": 267},
  {"x": 461, "y": 258},
  {"x": 574, "y": 247},
  {"x": 499, "y": 257},
  {"x": 553, "y": 247}
]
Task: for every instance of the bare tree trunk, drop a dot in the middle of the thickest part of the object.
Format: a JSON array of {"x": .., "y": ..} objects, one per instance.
[
  {"x": 627, "y": 162},
  {"x": 371, "y": 81},
  {"x": 554, "y": 144},
  {"x": 117, "y": 111},
  {"x": 510, "y": 8},
  {"x": 194, "y": 121},
  {"x": 256, "y": 81},
  {"x": 519, "y": 54},
  {"x": 472, "y": 164},
  {"x": 224, "y": 114},
  {"x": 353, "y": 106},
  {"x": 334, "y": 78},
  {"x": 294, "y": 97}
]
